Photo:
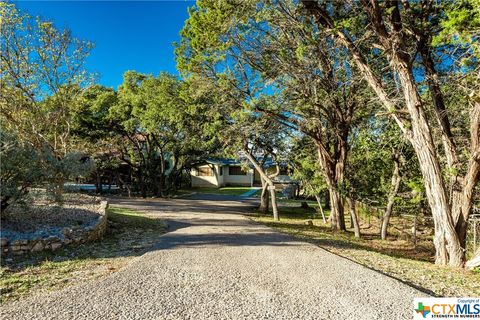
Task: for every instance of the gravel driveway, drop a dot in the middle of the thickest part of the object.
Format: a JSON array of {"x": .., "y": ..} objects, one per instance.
[{"x": 216, "y": 264}]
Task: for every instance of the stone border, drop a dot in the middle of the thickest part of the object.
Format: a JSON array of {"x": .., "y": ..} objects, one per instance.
[{"x": 69, "y": 235}]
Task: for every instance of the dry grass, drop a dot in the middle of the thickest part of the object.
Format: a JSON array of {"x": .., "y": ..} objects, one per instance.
[
  {"x": 41, "y": 213},
  {"x": 130, "y": 234},
  {"x": 397, "y": 256}
]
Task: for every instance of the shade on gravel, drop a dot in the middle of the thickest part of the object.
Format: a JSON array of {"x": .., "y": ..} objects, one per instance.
[{"x": 215, "y": 264}]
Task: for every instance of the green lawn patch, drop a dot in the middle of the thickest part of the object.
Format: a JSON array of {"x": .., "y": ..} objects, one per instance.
[
  {"x": 282, "y": 200},
  {"x": 130, "y": 233}
]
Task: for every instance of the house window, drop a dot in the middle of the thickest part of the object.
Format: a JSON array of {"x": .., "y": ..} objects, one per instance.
[
  {"x": 205, "y": 172},
  {"x": 221, "y": 170},
  {"x": 236, "y": 171}
]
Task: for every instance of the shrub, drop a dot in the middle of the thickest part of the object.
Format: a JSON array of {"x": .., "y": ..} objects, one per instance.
[{"x": 19, "y": 169}]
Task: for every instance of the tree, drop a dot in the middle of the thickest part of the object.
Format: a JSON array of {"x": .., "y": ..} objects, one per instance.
[
  {"x": 243, "y": 133},
  {"x": 42, "y": 75},
  {"x": 401, "y": 33},
  {"x": 149, "y": 124},
  {"x": 377, "y": 160},
  {"x": 304, "y": 162},
  {"x": 19, "y": 170},
  {"x": 276, "y": 53},
  {"x": 262, "y": 140}
]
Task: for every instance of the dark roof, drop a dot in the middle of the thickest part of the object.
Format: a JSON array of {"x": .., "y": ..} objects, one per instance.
[{"x": 223, "y": 161}]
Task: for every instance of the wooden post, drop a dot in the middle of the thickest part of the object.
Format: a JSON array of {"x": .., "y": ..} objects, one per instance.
[
  {"x": 415, "y": 230},
  {"x": 474, "y": 220}
]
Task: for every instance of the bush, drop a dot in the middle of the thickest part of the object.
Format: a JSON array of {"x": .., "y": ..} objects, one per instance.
[
  {"x": 60, "y": 170},
  {"x": 19, "y": 169},
  {"x": 22, "y": 166}
]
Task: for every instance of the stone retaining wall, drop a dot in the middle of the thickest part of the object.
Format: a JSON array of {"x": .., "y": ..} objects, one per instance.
[{"x": 69, "y": 235}]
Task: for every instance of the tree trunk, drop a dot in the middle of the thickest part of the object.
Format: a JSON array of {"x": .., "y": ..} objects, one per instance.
[
  {"x": 337, "y": 215},
  {"x": 58, "y": 190},
  {"x": 98, "y": 182},
  {"x": 333, "y": 173},
  {"x": 317, "y": 197},
  {"x": 447, "y": 244},
  {"x": 274, "y": 203},
  {"x": 462, "y": 207},
  {"x": 264, "y": 198},
  {"x": 395, "y": 186},
  {"x": 141, "y": 184},
  {"x": 268, "y": 181},
  {"x": 353, "y": 216},
  {"x": 457, "y": 192},
  {"x": 474, "y": 262},
  {"x": 161, "y": 189},
  {"x": 439, "y": 107}
]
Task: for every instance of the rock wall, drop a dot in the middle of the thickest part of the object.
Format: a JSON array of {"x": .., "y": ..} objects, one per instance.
[{"x": 70, "y": 235}]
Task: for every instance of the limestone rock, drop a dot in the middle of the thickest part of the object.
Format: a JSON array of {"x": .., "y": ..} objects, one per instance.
[
  {"x": 55, "y": 245},
  {"x": 39, "y": 246},
  {"x": 308, "y": 222}
]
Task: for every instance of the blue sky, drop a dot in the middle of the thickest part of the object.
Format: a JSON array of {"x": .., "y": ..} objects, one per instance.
[{"x": 128, "y": 35}]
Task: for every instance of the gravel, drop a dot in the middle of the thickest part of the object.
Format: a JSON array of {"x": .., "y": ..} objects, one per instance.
[
  {"x": 43, "y": 218},
  {"x": 216, "y": 264}
]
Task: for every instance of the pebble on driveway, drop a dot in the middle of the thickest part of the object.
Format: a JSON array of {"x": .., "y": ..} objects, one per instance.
[{"x": 215, "y": 264}]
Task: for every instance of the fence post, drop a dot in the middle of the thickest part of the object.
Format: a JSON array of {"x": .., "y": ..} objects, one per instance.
[
  {"x": 415, "y": 230},
  {"x": 474, "y": 220}
]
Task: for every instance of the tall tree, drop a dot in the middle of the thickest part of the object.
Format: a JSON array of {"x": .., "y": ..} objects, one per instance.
[
  {"x": 150, "y": 124},
  {"x": 401, "y": 33},
  {"x": 41, "y": 77},
  {"x": 276, "y": 53},
  {"x": 227, "y": 111},
  {"x": 303, "y": 159}
]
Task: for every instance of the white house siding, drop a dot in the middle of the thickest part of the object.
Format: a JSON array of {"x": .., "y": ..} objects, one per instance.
[
  {"x": 226, "y": 179},
  {"x": 221, "y": 178},
  {"x": 207, "y": 181},
  {"x": 237, "y": 180}
]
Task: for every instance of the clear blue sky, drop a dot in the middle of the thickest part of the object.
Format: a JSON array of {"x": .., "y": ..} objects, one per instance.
[{"x": 128, "y": 35}]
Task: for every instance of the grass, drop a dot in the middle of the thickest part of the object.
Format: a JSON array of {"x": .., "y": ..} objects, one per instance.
[
  {"x": 397, "y": 256},
  {"x": 234, "y": 191},
  {"x": 282, "y": 200},
  {"x": 130, "y": 234}
]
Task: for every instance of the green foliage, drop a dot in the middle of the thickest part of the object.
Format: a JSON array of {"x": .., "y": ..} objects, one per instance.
[
  {"x": 41, "y": 78},
  {"x": 462, "y": 24},
  {"x": 306, "y": 167},
  {"x": 149, "y": 121},
  {"x": 57, "y": 171},
  {"x": 90, "y": 120},
  {"x": 19, "y": 169},
  {"x": 460, "y": 32},
  {"x": 42, "y": 73}
]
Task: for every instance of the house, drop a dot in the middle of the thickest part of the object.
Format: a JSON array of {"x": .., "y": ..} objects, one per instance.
[{"x": 230, "y": 172}]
